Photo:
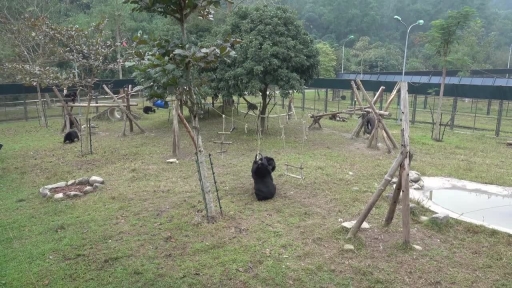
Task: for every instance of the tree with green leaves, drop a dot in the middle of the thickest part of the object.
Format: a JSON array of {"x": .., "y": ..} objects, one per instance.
[
  {"x": 441, "y": 39},
  {"x": 166, "y": 64},
  {"x": 276, "y": 50},
  {"x": 327, "y": 58}
]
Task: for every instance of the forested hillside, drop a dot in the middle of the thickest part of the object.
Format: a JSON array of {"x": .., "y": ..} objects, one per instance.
[{"x": 377, "y": 43}]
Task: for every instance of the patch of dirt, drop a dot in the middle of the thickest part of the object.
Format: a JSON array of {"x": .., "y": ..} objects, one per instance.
[{"x": 72, "y": 188}]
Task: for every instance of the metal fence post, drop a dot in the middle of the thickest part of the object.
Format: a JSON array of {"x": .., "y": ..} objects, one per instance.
[
  {"x": 326, "y": 100},
  {"x": 303, "y": 99},
  {"x": 414, "y": 104},
  {"x": 454, "y": 111},
  {"x": 25, "y": 108},
  {"x": 498, "y": 121}
]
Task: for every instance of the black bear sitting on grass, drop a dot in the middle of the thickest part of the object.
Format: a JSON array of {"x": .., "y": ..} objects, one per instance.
[
  {"x": 71, "y": 136},
  {"x": 148, "y": 109},
  {"x": 262, "y": 169}
]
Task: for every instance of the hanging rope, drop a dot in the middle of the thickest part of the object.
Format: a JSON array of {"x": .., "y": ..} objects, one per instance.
[{"x": 232, "y": 118}]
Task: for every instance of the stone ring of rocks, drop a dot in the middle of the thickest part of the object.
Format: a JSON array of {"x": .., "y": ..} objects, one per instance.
[{"x": 72, "y": 188}]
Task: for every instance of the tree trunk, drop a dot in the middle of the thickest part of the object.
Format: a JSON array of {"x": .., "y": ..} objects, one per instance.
[
  {"x": 437, "y": 127},
  {"x": 205, "y": 184},
  {"x": 40, "y": 106},
  {"x": 264, "y": 105}
]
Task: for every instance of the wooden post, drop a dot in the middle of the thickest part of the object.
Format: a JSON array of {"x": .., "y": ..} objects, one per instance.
[
  {"x": 175, "y": 128},
  {"x": 68, "y": 111},
  {"x": 454, "y": 111},
  {"x": 382, "y": 187},
  {"x": 25, "y": 108},
  {"x": 414, "y": 105},
  {"x": 395, "y": 198},
  {"x": 303, "y": 100},
  {"x": 326, "y": 100},
  {"x": 123, "y": 109},
  {"x": 406, "y": 212},
  {"x": 489, "y": 103},
  {"x": 393, "y": 94},
  {"x": 128, "y": 96}
]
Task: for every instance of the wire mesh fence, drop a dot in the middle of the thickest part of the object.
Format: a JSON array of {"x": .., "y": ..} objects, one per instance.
[
  {"x": 490, "y": 116},
  {"x": 27, "y": 107}
]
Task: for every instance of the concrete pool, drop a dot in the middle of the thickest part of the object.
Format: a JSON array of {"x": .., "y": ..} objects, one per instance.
[{"x": 482, "y": 204}]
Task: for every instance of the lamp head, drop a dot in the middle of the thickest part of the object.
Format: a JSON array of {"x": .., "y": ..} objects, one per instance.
[
  {"x": 420, "y": 22},
  {"x": 398, "y": 18},
  {"x": 350, "y": 37}
]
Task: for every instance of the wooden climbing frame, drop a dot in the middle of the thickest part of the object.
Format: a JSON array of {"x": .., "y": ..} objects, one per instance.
[{"x": 380, "y": 126}]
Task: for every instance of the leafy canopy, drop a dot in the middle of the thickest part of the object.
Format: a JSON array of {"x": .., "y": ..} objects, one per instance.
[
  {"x": 447, "y": 32},
  {"x": 276, "y": 50}
]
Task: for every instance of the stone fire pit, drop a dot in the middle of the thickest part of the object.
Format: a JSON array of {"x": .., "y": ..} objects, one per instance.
[{"x": 72, "y": 188}]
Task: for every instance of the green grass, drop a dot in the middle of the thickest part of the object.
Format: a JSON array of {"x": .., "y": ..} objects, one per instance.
[{"x": 142, "y": 229}]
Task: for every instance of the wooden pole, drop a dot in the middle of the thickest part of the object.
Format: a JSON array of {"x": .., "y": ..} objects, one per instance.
[
  {"x": 395, "y": 198},
  {"x": 175, "y": 129},
  {"x": 406, "y": 212},
  {"x": 97, "y": 105},
  {"x": 385, "y": 182},
  {"x": 356, "y": 93},
  {"x": 68, "y": 112},
  {"x": 392, "y": 96},
  {"x": 128, "y": 96},
  {"x": 123, "y": 109}
]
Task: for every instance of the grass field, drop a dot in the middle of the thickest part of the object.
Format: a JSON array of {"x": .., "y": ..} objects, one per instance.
[{"x": 144, "y": 228}]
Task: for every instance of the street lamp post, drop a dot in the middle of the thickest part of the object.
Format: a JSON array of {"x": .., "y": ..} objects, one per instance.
[
  {"x": 419, "y": 22},
  {"x": 343, "y": 53}
]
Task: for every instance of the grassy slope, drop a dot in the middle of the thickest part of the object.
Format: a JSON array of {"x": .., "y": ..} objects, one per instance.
[{"x": 143, "y": 229}]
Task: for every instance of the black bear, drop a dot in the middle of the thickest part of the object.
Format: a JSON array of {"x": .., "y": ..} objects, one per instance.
[
  {"x": 70, "y": 96},
  {"x": 71, "y": 136},
  {"x": 148, "y": 109},
  {"x": 262, "y": 169}
]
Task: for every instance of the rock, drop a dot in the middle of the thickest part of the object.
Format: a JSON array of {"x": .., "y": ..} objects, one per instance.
[
  {"x": 71, "y": 182},
  {"x": 44, "y": 192},
  {"x": 74, "y": 194},
  {"x": 58, "y": 185},
  {"x": 414, "y": 176},
  {"x": 421, "y": 183},
  {"x": 82, "y": 181},
  {"x": 59, "y": 196},
  {"x": 416, "y": 187},
  {"x": 95, "y": 179},
  {"x": 172, "y": 161},
  {"x": 351, "y": 223},
  {"x": 88, "y": 190},
  {"x": 440, "y": 218},
  {"x": 355, "y": 188},
  {"x": 97, "y": 186},
  {"x": 417, "y": 247},
  {"x": 423, "y": 218},
  {"x": 348, "y": 247},
  {"x": 394, "y": 180}
]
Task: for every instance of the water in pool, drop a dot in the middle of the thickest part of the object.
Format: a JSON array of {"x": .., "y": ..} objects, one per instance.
[{"x": 491, "y": 209}]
